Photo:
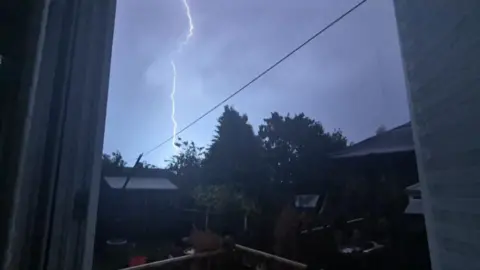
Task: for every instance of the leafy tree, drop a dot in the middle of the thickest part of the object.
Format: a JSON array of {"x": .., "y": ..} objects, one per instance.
[
  {"x": 297, "y": 149},
  {"x": 218, "y": 198},
  {"x": 214, "y": 195},
  {"x": 115, "y": 160},
  {"x": 240, "y": 170},
  {"x": 247, "y": 205},
  {"x": 212, "y": 198},
  {"x": 187, "y": 164},
  {"x": 146, "y": 165},
  {"x": 236, "y": 155}
]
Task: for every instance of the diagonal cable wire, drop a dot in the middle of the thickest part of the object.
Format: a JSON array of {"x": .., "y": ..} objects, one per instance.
[{"x": 258, "y": 76}]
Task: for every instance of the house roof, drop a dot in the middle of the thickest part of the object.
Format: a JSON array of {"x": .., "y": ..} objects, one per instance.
[
  {"x": 414, "y": 190},
  {"x": 137, "y": 172},
  {"x": 396, "y": 140},
  {"x": 414, "y": 187},
  {"x": 140, "y": 178},
  {"x": 151, "y": 183}
]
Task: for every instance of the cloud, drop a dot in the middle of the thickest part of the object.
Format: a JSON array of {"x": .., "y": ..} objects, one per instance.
[{"x": 349, "y": 78}]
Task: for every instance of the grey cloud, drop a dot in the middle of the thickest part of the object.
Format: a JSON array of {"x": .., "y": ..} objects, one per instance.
[{"x": 349, "y": 78}]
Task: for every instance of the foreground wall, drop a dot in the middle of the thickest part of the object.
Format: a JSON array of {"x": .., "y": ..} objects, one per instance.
[
  {"x": 440, "y": 43},
  {"x": 52, "y": 142}
]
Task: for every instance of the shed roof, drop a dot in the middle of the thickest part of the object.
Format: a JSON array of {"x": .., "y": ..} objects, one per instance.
[
  {"x": 414, "y": 187},
  {"x": 138, "y": 172},
  {"x": 151, "y": 183},
  {"x": 414, "y": 190},
  {"x": 396, "y": 140},
  {"x": 140, "y": 178}
]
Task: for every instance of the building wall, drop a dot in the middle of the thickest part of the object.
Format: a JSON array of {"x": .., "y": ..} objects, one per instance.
[
  {"x": 140, "y": 215},
  {"x": 440, "y": 44}
]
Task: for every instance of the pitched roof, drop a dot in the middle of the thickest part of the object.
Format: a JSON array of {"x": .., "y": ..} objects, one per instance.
[
  {"x": 414, "y": 190},
  {"x": 151, "y": 183},
  {"x": 137, "y": 172},
  {"x": 414, "y": 187},
  {"x": 140, "y": 178},
  {"x": 399, "y": 139}
]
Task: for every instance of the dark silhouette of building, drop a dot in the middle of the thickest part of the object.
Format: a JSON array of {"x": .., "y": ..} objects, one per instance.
[
  {"x": 440, "y": 48},
  {"x": 147, "y": 209}
]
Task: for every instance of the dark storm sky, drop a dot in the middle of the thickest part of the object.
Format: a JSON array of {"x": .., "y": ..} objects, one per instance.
[{"x": 349, "y": 78}]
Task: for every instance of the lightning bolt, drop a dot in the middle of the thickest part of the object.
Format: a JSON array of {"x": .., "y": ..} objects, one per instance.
[{"x": 174, "y": 71}]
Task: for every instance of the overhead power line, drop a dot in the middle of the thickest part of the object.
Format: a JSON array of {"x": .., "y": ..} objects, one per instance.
[{"x": 258, "y": 76}]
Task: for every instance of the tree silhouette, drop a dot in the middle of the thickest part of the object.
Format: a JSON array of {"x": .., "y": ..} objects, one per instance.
[
  {"x": 236, "y": 156},
  {"x": 116, "y": 160},
  {"x": 297, "y": 149},
  {"x": 187, "y": 165},
  {"x": 290, "y": 154}
]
